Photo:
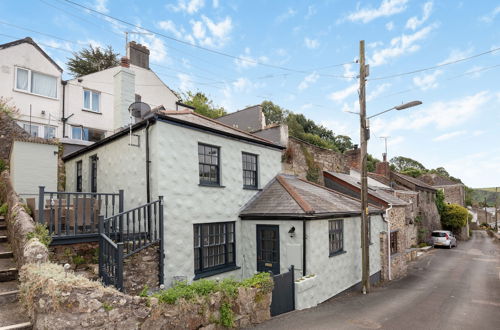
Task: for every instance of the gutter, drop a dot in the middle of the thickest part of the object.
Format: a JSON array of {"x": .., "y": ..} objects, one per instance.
[{"x": 386, "y": 216}]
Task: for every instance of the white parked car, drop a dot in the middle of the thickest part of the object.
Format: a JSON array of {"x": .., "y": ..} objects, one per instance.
[{"x": 443, "y": 238}]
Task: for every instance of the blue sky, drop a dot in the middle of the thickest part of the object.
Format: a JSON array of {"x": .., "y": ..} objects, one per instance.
[{"x": 306, "y": 54}]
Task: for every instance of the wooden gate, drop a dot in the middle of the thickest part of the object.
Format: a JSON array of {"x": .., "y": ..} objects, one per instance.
[{"x": 283, "y": 293}]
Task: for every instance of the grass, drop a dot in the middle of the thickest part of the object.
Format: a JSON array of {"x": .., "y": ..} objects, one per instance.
[
  {"x": 42, "y": 233},
  {"x": 3, "y": 209}
]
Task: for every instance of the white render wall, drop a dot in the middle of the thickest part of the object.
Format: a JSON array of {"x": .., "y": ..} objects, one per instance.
[
  {"x": 33, "y": 165},
  {"x": 175, "y": 162},
  {"x": 175, "y": 175},
  {"x": 147, "y": 84},
  {"x": 27, "y": 56}
]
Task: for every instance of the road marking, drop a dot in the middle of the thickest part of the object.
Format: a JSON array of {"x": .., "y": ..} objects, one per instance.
[{"x": 485, "y": 302}]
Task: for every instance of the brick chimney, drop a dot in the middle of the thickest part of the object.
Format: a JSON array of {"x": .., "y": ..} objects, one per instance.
[
  {"x": 124, "y": 94},
  {"x": 383, "y": 167},
  {"x": 138, "y": 54},
  {"x": 353, "y": 157}
]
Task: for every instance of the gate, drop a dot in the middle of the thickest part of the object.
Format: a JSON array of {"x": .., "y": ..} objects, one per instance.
[{"x": 283, "y": 299}]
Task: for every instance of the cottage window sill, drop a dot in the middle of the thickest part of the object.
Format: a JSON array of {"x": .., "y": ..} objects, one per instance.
[
  {"x": 211, "y": 185},
  {"x": 215, "y": 272},
  {"x": 35, "y": 94},
  {"x": 251, "y": 188},
  {"x": 337, "y": 253},
  {"x": 92, "y": 111}
]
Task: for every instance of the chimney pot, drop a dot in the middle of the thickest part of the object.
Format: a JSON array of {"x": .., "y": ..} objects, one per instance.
[{"x": 124, "y": 61}]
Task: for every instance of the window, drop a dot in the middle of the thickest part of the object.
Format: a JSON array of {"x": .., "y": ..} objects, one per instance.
[
  {"x": 91, "y": 100},
  {"x": 336, "y": 236},
  {"x": 32, "y": 129},
  {"x": 93, "y": 173},
  {"x": 214, "y": 246},
  {"x": 249, "y": 170},
  {"x": 49, "y": 132},
  {"x": 36, "y": 83},
  {"x": 79, "y": 176},
  {"x": 79, "y": 133},
  {"x": 394, "y": 242},
  {"x": 208, "y": 161}
]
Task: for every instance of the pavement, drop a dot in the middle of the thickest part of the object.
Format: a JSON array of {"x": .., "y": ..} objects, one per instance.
[{"x": 445, "y": 289}]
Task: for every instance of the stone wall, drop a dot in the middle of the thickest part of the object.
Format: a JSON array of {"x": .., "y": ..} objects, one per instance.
[
  {"x": 9, "y": 130},
  {"x": 142, "y": 270},
  {"x": 411, "y": 212},
  {"x": 429, "y": 215},
  {"x": 309, "y": 161},
  {"x": 82, "y": 257},
  {"x": 454, "y": 194}
]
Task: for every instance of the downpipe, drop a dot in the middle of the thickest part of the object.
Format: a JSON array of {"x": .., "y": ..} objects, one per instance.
[{"x": 386, "y": 216}]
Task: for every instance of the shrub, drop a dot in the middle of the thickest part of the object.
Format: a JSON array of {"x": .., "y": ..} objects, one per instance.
[
  {"x": 42, "y": 233},
  {"x": 454, "y": 216},
  {"x": 421, "y": 245},
  {"x": 77, "y": 261},
  {"x": 144, "y": 291},
  {"x": 2, "y": 165},
  {"x": 3, "y": 209},
  {"x": 226, "y": 316}
]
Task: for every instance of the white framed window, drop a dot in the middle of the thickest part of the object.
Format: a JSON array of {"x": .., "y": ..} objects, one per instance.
[
  {"x": 36, "y": 83},
  {"x": 31, "y": 128},
  {"x": 49, "y": 132},
  {"x": 79, "y": 133},
  {"x": 91, "y": 100}
]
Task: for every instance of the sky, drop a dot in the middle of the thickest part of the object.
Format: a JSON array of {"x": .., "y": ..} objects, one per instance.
[{"x": 303, "y": 56}]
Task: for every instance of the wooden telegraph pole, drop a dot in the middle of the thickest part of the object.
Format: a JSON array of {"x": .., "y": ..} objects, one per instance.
[{"x": 365, "y": 255}]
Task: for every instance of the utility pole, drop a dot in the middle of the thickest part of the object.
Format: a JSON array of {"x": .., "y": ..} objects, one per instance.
[{"x": 365, "y": 255}]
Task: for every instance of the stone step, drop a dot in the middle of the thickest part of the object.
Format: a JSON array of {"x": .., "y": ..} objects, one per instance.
[
  {"x": 9, "y": 297},
  {"x": 12, "y": 316},
  {"x": 6, "y": 255},
  {"x": 3, "y": 226},
  {"x": 8, "y": 286},
  {"x": 3, "y": 238},
  {"x": 5, "y": 247},
  {"x": 8, "y": 270}
]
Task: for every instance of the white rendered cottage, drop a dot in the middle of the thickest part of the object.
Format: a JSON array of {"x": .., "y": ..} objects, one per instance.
[{"x": 206, "y": 172}]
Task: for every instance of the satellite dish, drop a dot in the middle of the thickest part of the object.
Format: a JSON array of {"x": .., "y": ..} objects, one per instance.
[{"x": 139, "y": 109}]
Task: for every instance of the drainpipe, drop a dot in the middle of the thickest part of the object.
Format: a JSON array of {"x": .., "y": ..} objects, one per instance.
[
  {"x": 304, "y": 250},
  {"x": 148, "y": 188},
  {"x": 64, "y": 119},
  {"x": 388, "y": 240}
]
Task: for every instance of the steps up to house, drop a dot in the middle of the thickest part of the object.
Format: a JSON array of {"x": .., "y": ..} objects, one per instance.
[{"x": 12, "y": 315}]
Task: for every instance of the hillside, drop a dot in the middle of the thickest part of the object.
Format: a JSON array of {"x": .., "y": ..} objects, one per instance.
[{"x": 480, "y": 195}]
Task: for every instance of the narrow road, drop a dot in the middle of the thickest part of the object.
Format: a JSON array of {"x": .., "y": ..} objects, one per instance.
[{"x": 447, "y": 289}]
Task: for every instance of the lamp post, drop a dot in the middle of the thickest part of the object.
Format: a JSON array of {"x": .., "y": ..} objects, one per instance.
[{"x": 364, "y": 137}]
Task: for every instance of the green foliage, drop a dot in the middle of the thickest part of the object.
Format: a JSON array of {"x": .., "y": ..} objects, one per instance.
[
  {"x": 273, "y": 113},
  {"x": 422, "y": 234},
  {"x": 203, "y": 287},
  {"x": 3, "y": 166},
  {"x": 78, "y": 260},
  {"x": 203, "y": 105},
  {"x": 313, "y": 170},
  {"x": 226, "y": 316},
  {"x": 90, "y": 60},
  {"x": 440, "y": 204},
  {"x": 95, "y": 256},
  {"x": 413, "y": 172},
  {"x": 454, "y": 216},
  {"x": 423, "y": 244},
  {"x": 4, "y": 209},
  {"x": 483, "y": 196},
  {"x": 10, "y": 110},
  {"x": 107, "y": 307},
  {"x": 42, "y": 233},
  {"x": 144, "y": 291},
  {"x": 404, "y": 163},
  {"x": 371, "y": 163}
]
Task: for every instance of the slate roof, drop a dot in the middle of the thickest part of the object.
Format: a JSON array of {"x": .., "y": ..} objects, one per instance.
[
  {"x": 414, "y": 181},
  {"x": 192, "y": 117},
  {"x": 437, "y": 180},
  {"x": 290, "y": 197},
  {"x": 30, "y": 41},
  {"x": 375, "y": 191}
]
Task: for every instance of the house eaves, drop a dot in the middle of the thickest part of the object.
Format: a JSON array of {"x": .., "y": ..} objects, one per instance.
[{"x": 30, "y": 41}]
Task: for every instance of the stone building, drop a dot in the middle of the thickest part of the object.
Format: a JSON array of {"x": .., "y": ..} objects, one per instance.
[{"x": 454, "y": 192}]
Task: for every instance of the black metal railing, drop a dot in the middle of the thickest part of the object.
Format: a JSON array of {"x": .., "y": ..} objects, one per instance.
[
  {"x": 129, "y": 232},
  {"x": 75, "y": 215}
]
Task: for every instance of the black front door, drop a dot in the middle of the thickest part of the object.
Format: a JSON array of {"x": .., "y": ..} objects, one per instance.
[{"x": 268, "y": 249}]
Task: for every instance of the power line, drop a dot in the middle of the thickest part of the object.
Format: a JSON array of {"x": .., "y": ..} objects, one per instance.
[
  {"x": 436, "y": 66},
  {"x": 198, "y": 46},
  {"x": 45, "y": 45}
]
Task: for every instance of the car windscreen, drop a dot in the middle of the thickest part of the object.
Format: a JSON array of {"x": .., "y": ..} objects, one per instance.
[{"x": 438, "y": 234}]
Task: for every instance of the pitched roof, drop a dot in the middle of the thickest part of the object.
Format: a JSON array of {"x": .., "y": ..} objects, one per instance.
[
  {"x": 30, "y": 41},
  {"x": 377, "y": 192},
  {"x": 194, "y": 118},
  {"x": 290, "y": 197},
  {"x": 416, "y": 182},
  {"x": 437, "y": 180}
]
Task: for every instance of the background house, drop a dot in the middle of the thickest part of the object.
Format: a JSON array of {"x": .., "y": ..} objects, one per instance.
[{"x": 454, "y": 192}]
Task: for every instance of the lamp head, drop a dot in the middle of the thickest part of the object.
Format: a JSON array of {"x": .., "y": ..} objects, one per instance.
[{"x": 407, "y": 105}]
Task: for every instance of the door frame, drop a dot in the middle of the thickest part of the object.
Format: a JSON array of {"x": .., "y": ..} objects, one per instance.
[{"x": 257, "y": 241}]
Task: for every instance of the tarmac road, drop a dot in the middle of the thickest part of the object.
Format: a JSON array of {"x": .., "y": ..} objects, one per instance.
[{"x": 446, "y": 289}]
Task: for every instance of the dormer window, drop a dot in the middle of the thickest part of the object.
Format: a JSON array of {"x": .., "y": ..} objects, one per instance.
[
  {"x": 91, "y": 100},
  {"x": 36, "y": 83}
]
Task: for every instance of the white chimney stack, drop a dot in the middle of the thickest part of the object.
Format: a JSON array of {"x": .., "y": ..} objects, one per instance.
[{"x": 124, "y": 94}]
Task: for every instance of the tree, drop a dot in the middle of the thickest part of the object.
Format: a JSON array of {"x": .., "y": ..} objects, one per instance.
[
  {"x": 203, "y": 105},
  {"x": 371, "y": 163},
  {"x": 273, "y": 113},
  {"x": 343, "y": 143},
  {"x": 403, "y": 163},
  {"x": 413, "y": 172},
  {"x": 454, "y": 216},
  {"x": 92, "y": 59}
]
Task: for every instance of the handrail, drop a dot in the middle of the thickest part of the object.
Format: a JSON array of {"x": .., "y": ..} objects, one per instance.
[{"x": 131, "y": 210}]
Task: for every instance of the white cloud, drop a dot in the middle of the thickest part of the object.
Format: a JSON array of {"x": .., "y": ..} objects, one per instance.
[
  {"x": 472, "y": 168},
  {"x": 100, "y": 5},
  {"x": 414, "y": 22},
  {"x": 185, "y": 83},
  {"x": 311, "y": 11},
  {"x": 308, "y": 80},
  {"x": 348, "y": 71},
  {"x": 448, "y": 136},
  {"x": 92, "y": 42},
  {"x": 311, "y": 43},
  {"x": 289, "y": 13},
  {"x": 340, "y": 127},
  {"x": 441, "y": 114},
  {"x": 207, "y": 32},
  {"x": 190, "y": 7},
  {"x": 246, "y": 60},
  {"x": 344, "y": 93},
  {"x": 169, "y": 26},
  {"x": 377, "y": 91},
  {"x": 404, "y": 44},
  {"x": 457, "y": 54},
  {"x": 478, "y": 132},
  {"x": 215, "y": 3},
  {"x": 491, "y": 16},
  {"x": 389, "y": 26},
  {"x": 395, "y": 141},
  {"x": 243, "y": 84},
  {"x": 374, "y": 44},
  {"x": 427, "y": 81},
  {"x": 386, "y": 8},
  {"x": 156, "y": 46}
]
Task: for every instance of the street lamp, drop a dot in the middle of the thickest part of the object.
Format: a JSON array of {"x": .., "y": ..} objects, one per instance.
[{"x": 364, "y": 137}]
